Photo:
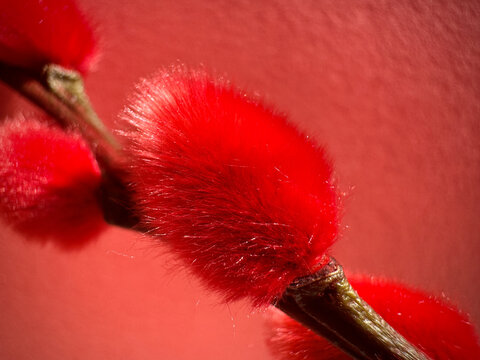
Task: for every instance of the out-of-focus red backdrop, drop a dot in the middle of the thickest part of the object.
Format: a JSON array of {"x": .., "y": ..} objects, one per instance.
[{"x": 390, "y": 87}]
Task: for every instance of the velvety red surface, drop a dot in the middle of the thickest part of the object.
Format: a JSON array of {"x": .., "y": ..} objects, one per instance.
[
  {"x": 431, "y": 324},
  {"x": 244, "y": 199},
  {"x": 49, "y": 183},
  {"x": 34, "y": 33},
  {"x": 391, "y": 88}
]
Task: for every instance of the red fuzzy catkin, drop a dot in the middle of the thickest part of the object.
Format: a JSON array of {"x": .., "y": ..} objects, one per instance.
[
  {"x": 49, "y": 180},
  {"x": 34, "y": 33},
  {"x": 236, "y": 191},
  {"x": 431, "y": 324}
]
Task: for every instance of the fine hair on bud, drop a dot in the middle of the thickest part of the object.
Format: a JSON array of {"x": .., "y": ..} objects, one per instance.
[
  {"x": 235, "y": 189},
  {"x": 432, "y": 324},
  {"x": 49, "y": 182}
]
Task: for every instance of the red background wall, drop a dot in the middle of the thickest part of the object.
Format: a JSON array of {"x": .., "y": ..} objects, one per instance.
[{"x": 390, "y": 87}]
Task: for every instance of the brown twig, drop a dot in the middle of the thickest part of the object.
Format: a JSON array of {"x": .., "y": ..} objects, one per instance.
[
  {"x": 30, "y": 87},
  {"x": 61, "y": 102},
  {"x": 326, "y": 303}
]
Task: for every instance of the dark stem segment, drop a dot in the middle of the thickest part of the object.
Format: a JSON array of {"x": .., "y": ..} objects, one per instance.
[
  {"x": 326, "y": 303},
  {"x": 59, "y": 92},
  {"x": 67, "y": 85},
  {"x": 30, "y": 87},
  {"x": 116, "y": 200}
]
